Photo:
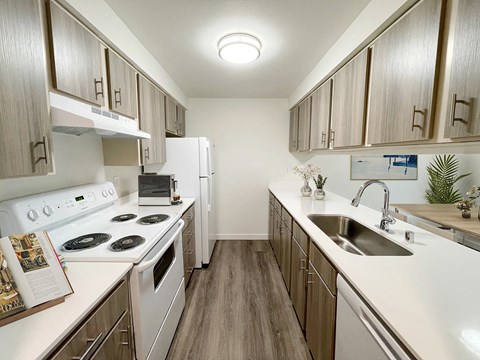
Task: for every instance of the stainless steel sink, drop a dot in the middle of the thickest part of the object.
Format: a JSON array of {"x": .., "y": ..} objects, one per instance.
[{"x": 356, "y": 238}]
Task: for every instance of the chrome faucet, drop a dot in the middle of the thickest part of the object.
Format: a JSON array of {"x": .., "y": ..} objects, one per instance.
[{"x": 387, "y": 219}]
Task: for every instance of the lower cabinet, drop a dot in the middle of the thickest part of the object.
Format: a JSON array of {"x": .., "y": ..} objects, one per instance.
[
  {"x": 271, "y": 211},
  {"x": 277, "y": 233},
  {"x": 188, "y": 239},
  {"x": 298, "y": 284},
  {"x": 286, "y": 247},
  {"x": 105, "y": 334}
]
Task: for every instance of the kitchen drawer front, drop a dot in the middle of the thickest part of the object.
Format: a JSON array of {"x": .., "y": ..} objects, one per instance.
[
  {"x": 277, "y": 205},
  {"x": 271, "y": 198},
  {"x": 189, "y": 215},
  {"x": 287, "y": 219},
  {"x": 324, "y": 268},
  {"x": 187, "y": 233},
  {"x": 301, "y": 237},
  {"x": 119, "y": 343},
  {"x": 95, "y": 329},
  {"x": 189, "y": 258}
]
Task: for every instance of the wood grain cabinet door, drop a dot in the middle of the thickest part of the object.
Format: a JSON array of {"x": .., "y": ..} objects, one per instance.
[
  {"x": 121, "y": 85},
  {"x": 349, "y": 95},
  {"x": 293, "y": 134},
  {"x": 119, "y": 343},
  {"x": 298, "y": 291},
  {"x": 170, "y": 116},
  {"x": 271, "y": 211},
  {"x": 25, "y": 125},
  {"x": 277, "y": 233},
  {"x": 304, "y": 116},
  {"x": 285, "y": 254},
  {"x": 180, "y": 121},
  {"x": 464, "y": 91},
  {"x": 152, "y": 120},
  {"x": 320, "y": 321},
  {"x": 320, "y": 118},
  {"x": 77, "y": 57},
  {"x": 403, "y": 76}
]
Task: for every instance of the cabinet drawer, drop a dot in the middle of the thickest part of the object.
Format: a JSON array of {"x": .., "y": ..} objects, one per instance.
[
  {"x": 95, "y": 329},
  {"x": 301, "y": 237},
  {"x": 188, "y": 215},
  {"x": 324, "y": 268},
  {"x": 119, "y": 343},
  {"x": 187, "y": 233},
  {"x": 287, "y": 219}
]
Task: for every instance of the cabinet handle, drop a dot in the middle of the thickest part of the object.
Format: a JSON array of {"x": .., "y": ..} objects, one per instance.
[
  {"x": 415, "y": 111},
  {"x": 310, "y": 281},
  {"x": 189, "y": 252},
  {"x": 90, "y": 348},
  {"x": 304, "y": 261},
  {"x": 332, "y": 137},
  {"x": 455, "y": 101},
  {"x": 128, "y": 337},
  {"x": 96, "y": 82},
  {"x": 147, "y": 153},
  {"x": 324, "y": 138},
  {"x": 119, "y": 93},
  {"x": 44, "y": 143}
]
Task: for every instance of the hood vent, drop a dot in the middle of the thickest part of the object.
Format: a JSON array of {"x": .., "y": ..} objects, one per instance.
[{"x": 73, "y": 117}]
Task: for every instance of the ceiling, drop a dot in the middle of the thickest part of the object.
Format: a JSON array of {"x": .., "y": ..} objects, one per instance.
[{"x": 183, "y": 35}]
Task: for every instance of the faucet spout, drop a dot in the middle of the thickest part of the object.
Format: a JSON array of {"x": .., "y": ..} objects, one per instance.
[{"x": 387, "y": 218}]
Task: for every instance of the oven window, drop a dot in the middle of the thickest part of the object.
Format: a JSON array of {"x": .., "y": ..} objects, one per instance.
[{"x": 161, "y": 267}]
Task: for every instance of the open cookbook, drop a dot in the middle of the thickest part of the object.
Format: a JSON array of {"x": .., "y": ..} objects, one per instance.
[{"x": 30, "y": 274}]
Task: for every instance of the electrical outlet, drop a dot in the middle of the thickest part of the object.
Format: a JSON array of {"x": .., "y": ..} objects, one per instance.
[{"x": 116, "y": 183}]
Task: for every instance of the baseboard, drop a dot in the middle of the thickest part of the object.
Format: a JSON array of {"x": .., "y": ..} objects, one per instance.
[{"x": 242, "y": 237}]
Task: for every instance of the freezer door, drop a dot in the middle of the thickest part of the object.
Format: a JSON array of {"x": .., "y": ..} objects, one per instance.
[{"x": 206, "y": 150}]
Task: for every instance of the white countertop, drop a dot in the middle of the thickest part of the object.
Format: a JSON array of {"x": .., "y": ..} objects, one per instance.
[
  {"x": 430, "y": 300},
  {"x": 35, "y": 336}
]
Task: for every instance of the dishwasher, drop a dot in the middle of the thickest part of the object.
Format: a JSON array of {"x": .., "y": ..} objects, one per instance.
[{"x": 360, "y": 335}]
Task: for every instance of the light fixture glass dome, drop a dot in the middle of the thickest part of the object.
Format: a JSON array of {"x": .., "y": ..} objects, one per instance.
[{"x": 239, "y": 48}]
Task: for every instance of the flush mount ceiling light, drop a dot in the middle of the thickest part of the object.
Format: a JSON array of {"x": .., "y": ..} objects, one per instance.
[{"x": 239, "y": 48}]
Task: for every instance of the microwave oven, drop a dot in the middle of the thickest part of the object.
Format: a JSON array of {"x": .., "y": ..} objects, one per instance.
[{"x": 155, "y": 189}]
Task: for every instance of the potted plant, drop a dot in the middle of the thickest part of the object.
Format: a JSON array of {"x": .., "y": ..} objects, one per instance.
[
  {"x": 306, "y": 172},
  {"x": 464, "y": 206},
  {"x": 319, "y": 193}
]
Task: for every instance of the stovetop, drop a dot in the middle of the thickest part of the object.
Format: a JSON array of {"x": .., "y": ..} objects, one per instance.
[{"x": 101, "y": 222}]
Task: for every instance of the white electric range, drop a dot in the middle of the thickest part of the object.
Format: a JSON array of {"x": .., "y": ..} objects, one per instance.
[{"x": 90, "y": 223}]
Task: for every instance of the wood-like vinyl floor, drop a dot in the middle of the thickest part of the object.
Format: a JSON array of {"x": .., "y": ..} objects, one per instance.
[{"x": 239, "y": 309}]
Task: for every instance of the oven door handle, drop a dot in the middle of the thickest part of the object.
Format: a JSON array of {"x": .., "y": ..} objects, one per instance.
[{"x": 148, "y": 264}]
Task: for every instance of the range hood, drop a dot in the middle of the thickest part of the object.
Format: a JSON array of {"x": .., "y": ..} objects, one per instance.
[{"x": 73, "y": 117}]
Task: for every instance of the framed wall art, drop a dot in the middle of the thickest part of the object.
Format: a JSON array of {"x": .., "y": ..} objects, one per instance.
[{"x": 384, "y": 167}]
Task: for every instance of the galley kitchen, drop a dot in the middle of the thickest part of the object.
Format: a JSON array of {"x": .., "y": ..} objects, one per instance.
[{"x": 239, "y": 180}]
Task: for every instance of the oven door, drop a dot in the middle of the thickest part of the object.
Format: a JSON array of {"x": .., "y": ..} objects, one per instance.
[{"x": 154, "y": 284}]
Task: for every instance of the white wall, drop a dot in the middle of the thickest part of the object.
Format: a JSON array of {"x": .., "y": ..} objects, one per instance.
[
  {"x": 375, "y": 17},
  {"x": 78, "y": 161},
  {"x": 251, "y": 139}
]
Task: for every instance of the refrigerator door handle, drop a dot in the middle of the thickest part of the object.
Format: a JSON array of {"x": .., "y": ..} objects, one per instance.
[
  {"x": 210, "y": 192},
  {"x": 209, "y": 160}
]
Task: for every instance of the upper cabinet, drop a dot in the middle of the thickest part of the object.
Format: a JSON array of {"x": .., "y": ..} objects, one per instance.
[
  {"x": 304, "y": 117},
  {"x": 403, "y": 76},
  {"x": 293, "y": 138},
  {"x": 320, "y": 116},
  {"x": 77, "y": 57},
  {"x": 25, "y": 126},
  {"x": 152, "y": 120},
  {"x": 180, "y": 121},
  {"x": 174, "y": 118},
  {"x": 121, "y": 85},
  {"x": 464, "y": 112},
  {"x": 349, "y": 102}
]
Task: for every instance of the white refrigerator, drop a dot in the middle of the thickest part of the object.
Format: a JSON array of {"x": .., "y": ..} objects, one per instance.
[{"x": 191, "y": 160}]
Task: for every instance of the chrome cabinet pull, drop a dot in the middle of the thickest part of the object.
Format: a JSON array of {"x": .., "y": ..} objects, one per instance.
[
  {"x": 147, "y": 153},
  {"x": 90, "y": 348},
  {"x": 415, "y": 111},
  {"x": 119, "y": 93},
  {"x": 128, "y": 337},
  {"x": 304, "y": 261},
  {"x": 98, "y": 93},
  {"x": 324, "y": 137},
  {"x": 455, "y": 101},
  {"x": 310, "y": 281},
  {"x": 332, "y": 137}
]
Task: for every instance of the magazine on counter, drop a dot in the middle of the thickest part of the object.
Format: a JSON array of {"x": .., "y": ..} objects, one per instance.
[{"x": 30, "y": 273}]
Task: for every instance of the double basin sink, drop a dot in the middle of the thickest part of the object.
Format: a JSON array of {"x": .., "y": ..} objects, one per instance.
[{"x": 356, "y": 238}]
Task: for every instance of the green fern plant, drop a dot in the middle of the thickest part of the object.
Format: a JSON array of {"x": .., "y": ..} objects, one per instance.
[{"x": 442, "y": 176}]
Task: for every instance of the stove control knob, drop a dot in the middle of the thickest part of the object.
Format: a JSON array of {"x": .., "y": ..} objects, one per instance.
[
  {"x": 104, "y": 193},
  {"x": 48, "y": 210},
  {"x": 33, "y": 214},
  {"x": 111, "y": 192}
]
